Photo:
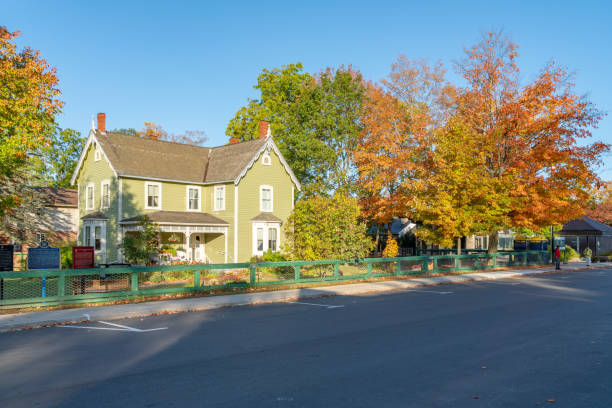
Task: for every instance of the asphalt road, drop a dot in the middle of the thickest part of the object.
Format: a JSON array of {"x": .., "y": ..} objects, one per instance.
[{"x": 512, "y": 343}]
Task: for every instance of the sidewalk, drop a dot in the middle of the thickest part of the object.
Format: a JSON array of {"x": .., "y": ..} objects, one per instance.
[{"x": 54, "y": 317}]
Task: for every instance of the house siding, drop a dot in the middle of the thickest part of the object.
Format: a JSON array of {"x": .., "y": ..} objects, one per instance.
[
  {"x": 248, "y": 197},
  {"x": 95, "y": 172}
]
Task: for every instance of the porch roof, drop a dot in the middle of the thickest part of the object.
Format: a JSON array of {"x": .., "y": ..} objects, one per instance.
[{"x": 178, "y": 218}]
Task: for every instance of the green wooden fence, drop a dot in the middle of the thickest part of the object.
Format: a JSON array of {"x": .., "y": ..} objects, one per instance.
[{"x": 73, "y": 286}]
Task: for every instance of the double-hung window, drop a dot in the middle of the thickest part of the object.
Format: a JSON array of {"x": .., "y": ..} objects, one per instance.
[
  {"x": 193, "y": 198},
  {"x": 219, "y": 198},
  {"x": 153, "y": 192},
  {"x": 97, "y": 238},
  {"x": 272, "y": 239},
  {"x": 105, "y": 195},
  {"x": 260, "y": 239},
  {"x": 89, "y": 198},
  {"x": 266, "y": 199},
  {"x": 87, "y": 237}
]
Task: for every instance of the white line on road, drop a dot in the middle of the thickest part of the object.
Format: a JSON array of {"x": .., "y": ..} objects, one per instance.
[
  {"x": 118, "y": 327},
  {"x": 428, "y": 291},
  {"x": 316, "y": 304},
  {"x": 506, "y": 283}
]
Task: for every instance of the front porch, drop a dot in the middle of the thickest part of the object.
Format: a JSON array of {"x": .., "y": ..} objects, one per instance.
[{"x": 186, "y": 237}]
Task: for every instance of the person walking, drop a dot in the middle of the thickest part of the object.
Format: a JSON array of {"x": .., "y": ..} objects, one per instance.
[{"x": 557, "y": 258}]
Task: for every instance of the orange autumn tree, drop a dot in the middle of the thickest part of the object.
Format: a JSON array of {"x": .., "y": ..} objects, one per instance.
[
  {"x": 477, "y": 158},
  {"x": 28, "y": 105},
  {"x": 602, "y": 206},
  {"x": 528, "y": 134}
]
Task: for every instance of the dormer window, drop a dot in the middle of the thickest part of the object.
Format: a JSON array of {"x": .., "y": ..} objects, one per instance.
[
  {"x": 266, "y": 160},
  {"x": 97, "y": 152}
]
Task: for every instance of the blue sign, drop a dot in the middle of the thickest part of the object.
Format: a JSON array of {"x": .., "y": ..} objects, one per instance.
[{"x": 43, "y": 257}]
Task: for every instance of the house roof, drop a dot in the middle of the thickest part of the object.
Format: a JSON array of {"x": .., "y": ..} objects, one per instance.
[
  {"x": 178, "y": 217},
  {"x": 158, "y": 159},
  {"x": 586, "y": 226},
  {"x": 60, "y": 197},
  {"x": 98, "y": 215},
  {"x": 266, "y": 217}
]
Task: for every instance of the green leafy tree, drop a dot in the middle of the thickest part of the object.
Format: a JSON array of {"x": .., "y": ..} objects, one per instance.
[
  {"x": 141, "y": 247},
  {"x": 56, "y": 162},
  {"x": 27, "y": 207},
  {"x": 315, "y": 120},
  {"x": 323, "y": 227}
]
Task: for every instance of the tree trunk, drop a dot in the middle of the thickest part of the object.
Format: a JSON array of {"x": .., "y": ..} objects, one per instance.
[
  {"x": 459, "y": 246},
  {"x": 493, "y": 240}
]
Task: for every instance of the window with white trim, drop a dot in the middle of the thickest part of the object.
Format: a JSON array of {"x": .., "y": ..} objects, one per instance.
[
  {"x": 219, "y": 198},
  {"x": 272, "y": 239},
  {"x": 97, "y": 152},
  {"x": 97, "y": 238},
  {"x": 266, "y": 201},
  {"x": 153, "y": 196},
  {"x": 194, "y": 198},
  {"x": 266, "y": 160},
  {"x": 40, "y": 238},
  {"x": 87, "y": 237},
  {"x": 266, "y": 237},
  {"x": 89, "y": 198},
  {"x": 105, "y": 194}
]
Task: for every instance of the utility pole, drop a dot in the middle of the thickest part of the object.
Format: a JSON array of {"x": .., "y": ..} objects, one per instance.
[{"x": 552, "y": 244}]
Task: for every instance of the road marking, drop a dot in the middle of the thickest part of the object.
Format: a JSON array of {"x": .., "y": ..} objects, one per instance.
[
  {"x": 316, "y": 304},
  {"x": 428, "y": 291},
  {"x": 117, "y": 327},
  {"x": 506, "y": 283}
]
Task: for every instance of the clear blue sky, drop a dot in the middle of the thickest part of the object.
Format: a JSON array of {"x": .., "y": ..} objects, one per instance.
[{"x": 192, "y": 64}]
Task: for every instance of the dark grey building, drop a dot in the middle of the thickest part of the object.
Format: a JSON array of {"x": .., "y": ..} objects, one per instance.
[{"x": 587, "y": 232}]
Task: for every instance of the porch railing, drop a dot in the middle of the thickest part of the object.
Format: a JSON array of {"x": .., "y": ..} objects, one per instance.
[{"x": 74, "y": 286}]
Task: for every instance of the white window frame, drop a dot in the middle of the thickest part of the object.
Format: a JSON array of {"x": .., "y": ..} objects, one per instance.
[
  {"x": 261, "y": 189},
  {"x": 93, "y": 196},
  {"x": 40, "y": 237},
  {"x": 91, "y": 240},
  {"x": 102, "y": 184},
  {"x": 216, "y": 207},
  {"x": 146, "y": 195},
  {"x": 97, "y": 152},
  {"x": 266, "y": 160},
  {"x": 199, "y": 189},
  {"x": 266, "y": 238}
]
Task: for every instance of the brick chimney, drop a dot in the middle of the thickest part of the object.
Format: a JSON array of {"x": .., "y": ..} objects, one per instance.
[
  {"x": 102, "y": 122},
  {"x": 264, "y": 129},
  {"x": 234, "y": 140}
]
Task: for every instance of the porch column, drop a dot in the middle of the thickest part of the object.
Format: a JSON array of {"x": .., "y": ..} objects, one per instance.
[
  {"x": 225, "y": 252},
  {"x": 187, "y": 243}
]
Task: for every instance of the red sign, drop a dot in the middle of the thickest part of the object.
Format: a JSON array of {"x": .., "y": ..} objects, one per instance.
[{"x": 82, "y": 257}]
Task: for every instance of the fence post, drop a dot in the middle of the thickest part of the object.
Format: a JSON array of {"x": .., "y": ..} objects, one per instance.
[
  {"x": 336, "y": 270},
  {"x": 297, "y": 272},
  {"x": 134, "y": 283},
  {"x": 425, "y": 267},
  {"x": 494, "y": 260},
  {"x": 196, "y": 278},
  {"x": 252, "y": 274},
  {"x": 525, "y": 258},
  {"x": 456, "y": 262},
  {"x": 61, "y": 284},
  {"x": 435, "y": 264},
  {"x": 398, "y": 269}
]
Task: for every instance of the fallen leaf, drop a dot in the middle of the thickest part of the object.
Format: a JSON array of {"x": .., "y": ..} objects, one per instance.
[
  {"x": 550, "y": 400},
  {"x": 483, "y": 367}
]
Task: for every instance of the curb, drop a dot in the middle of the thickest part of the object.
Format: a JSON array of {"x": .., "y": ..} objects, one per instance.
[{"x": 32, "y": 320}]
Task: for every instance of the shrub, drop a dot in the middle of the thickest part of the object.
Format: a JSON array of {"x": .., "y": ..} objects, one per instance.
[
  {"x": 269, "y": 256},
  {"x": 391, "y": 249}
]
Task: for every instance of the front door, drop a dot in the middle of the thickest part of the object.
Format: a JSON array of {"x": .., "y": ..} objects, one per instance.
[{"x": 197, "y": 248}]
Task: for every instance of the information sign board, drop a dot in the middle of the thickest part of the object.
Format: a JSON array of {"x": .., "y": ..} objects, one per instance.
[
  {"x": 82, "y": 257},
  {"x": 43, "y": 257}
]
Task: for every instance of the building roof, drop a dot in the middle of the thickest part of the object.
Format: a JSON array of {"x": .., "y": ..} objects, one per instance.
[
  {"x": 266, "y": 217},
  {"x": 179, "y": 218},
  {"x": 60, "y": 197},
  {"x": 586, "y": 226},
  {"x": 158, "y": 159},
  {"x": 98, "y": 215}
]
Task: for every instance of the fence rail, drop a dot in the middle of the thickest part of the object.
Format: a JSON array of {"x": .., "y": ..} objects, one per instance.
[{"x": 73, "y": 286}]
